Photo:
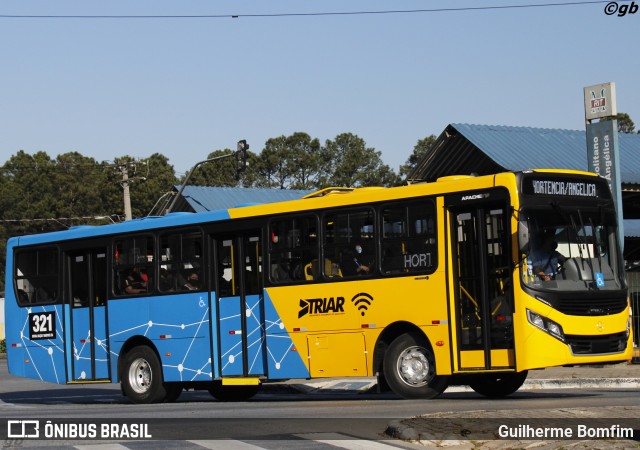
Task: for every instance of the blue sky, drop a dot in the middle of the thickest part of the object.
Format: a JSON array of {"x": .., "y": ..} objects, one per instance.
[{"x": 184, "y": 87}]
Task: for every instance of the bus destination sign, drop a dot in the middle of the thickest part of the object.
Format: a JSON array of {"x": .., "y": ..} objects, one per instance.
[{"x": 559, "y": 188}]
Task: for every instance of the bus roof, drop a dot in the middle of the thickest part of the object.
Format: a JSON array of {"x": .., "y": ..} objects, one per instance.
[{"x": 326, "y": 198}]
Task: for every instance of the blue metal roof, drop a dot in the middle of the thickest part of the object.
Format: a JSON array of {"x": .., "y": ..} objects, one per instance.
[
  {"x": 521, "y": 148},
  {"x": 208, "y": 198}
]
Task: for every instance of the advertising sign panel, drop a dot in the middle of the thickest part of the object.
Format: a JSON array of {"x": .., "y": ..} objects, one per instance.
[{"x": 600, "y": 101}]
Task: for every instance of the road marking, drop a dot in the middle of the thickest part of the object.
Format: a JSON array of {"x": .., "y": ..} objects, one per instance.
[
  {"x": 101, "y": 447},
  {"x": 338, "y": 440},
  {"x": 225, "y": 444}
]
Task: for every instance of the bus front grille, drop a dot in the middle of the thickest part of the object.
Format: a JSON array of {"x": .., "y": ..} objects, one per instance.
[
  {"x": 597, "y": 345},
  {"x": 592, "y": 307}
]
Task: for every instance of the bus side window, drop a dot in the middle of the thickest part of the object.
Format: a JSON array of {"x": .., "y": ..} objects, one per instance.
[
  {"x": 293, "y": 247},
  {"x": 23, "y": 297},
  {"x": 36, "y": 276},
  {"x": 180, "y": 256},
  {"x": 349, "y": 241},
  {"x": 392, "y": 258},
  {"x": 409, "y": 238},
  {"x": 134, "y": 265}
]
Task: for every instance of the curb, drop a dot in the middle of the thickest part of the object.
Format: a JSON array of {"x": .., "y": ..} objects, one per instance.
[
  {"x": 587, "y": 383},
  {"x": 568, "y": 383},
  {"x": 342, "y": 386}
]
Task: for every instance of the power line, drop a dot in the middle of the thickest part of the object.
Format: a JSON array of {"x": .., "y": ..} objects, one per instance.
[
  {"x": 58, "y": 219},
  {"x": 55, "y": 165},
  {"x": 313, "y": 14}
]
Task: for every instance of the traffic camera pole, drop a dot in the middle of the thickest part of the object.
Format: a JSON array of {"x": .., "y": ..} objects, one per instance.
[{"x": 241, "y": 157}]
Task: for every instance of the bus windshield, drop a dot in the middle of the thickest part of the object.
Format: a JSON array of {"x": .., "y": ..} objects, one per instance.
[{"x": 572, "y": 249}]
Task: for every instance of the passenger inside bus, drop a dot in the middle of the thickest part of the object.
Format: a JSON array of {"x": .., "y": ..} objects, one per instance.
[
  {"x": 545, "y": 259},
  {"x": 193, "y": 282},
  {"x": 134, "y": 283},
  {"x": 357, "y": 261},
  {"x": 167, "y": 281}
]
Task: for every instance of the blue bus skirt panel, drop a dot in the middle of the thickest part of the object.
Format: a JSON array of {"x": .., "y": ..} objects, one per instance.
[
  {"x": 179, "y": 327},
  {"x": 38, "y": 353},
  {"x": 284, "y": 360}
]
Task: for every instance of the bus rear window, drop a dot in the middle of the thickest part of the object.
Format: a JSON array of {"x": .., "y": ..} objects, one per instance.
[{"x": 36, "y": 276}]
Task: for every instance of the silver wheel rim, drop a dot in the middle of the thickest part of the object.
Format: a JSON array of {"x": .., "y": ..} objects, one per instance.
[
  {"x": 140, "y": 376},
  {"x": 413, "y": 367}
]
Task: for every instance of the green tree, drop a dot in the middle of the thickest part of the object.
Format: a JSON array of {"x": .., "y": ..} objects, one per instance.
[
  {"x": 348, "y": 162},
  {"x": 625, "y": 124},
  {"x": 159, "y": 179},
  {"x": 38, "y": 194},
  {"x": 83, "y": 188},
  {"x": 28, "y": 193},
  {"x": 221, "y": 172},
  {"x": 303, "y": 161},
  {"x": 273, "y": 170},
  {"x": 419, "y": 152},
  {"x": 288, "y": 162}
]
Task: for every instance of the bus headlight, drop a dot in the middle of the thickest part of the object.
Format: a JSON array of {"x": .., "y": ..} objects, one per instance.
[{"x": 545, "y": 324}]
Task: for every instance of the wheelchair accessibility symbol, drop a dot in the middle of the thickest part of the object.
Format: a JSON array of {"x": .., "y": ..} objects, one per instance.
[{"x": 599, "y": 279}]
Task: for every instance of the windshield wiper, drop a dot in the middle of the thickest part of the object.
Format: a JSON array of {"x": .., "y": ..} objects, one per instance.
[
  {"x": 593, "y": 284},
  {"x": 574, "y": 228},
  {"x": 595, "y": 243}
]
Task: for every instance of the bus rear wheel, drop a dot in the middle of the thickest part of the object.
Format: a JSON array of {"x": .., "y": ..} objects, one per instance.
[
  {"x": 142, "y": 376},
  {"x": 232, "y": 393},
  {"x": 410, "y": 369},
  {"x": 498, "y": 385}
]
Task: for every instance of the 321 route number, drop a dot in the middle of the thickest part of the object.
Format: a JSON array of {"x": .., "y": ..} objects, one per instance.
[{"x": 42, "y": 325}]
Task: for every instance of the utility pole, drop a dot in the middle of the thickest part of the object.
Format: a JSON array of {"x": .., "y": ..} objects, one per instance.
[{"x": 123, "y": 167}]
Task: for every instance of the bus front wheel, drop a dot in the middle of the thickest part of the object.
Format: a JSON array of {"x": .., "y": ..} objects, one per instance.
[
  {"x": 410, "y": 370},
  {"x": 498, "y": 385},
  {"x": 142, "y": 376}
]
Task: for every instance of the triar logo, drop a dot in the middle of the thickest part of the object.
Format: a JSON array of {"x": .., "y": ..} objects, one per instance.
[{"x": 321, "y": 306}]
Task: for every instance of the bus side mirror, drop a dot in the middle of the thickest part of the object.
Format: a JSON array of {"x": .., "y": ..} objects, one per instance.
[{"x": 523, "y": 236}]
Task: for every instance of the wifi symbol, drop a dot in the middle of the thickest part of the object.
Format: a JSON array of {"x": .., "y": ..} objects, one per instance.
[{"x": 362, "y": 301}]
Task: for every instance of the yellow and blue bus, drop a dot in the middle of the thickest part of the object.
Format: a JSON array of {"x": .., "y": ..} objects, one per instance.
[{"x": 422, "y": 286}]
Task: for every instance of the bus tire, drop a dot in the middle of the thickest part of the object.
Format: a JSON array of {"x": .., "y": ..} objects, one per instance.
[
  {"x": 142, "y": 376},
  {"x": 410, "y": 369},
  {"x": 498, "y": 385},
  {"x": 233, "y": 393}
]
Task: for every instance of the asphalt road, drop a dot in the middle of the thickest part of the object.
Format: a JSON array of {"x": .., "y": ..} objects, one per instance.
[{"x": 322, "y": 417}]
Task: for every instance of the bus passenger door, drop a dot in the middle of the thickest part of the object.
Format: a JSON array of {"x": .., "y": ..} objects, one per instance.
[
  {"x": 240, "y": 305},
  {"x": 88, "y": 346},
  {"x": 483, "y": 297}
]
